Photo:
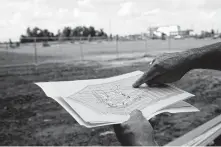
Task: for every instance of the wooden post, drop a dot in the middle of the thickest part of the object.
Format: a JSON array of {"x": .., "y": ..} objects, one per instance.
[
  {"x": 7, "y": 48},
  {"x": 6, "y": 45},
  {"x": 36, "y": 55},
  {"x": 81, "y": 49},
  {"x": 169, "y": 43},
  {"x": 117, "y": 49},
  {"x": 35, "y": 47},
  {"x": 146, "y": 43}
]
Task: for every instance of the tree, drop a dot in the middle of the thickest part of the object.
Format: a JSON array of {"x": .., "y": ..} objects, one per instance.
[
  {"x": 22, "y": 39},
  {"x": 78, "y": 30},
  {"x": 101, "y": 33},
  {"x": 92, "y": 31},
  {"x": 58, "y": 33},
  {"x": 212, "y": 32},
  {"x": 36, "y": 32},
  {"x": 46, "y": 33},
  {"x": 111, "y": 37},
  {"x": 10, "y": 43},
  {"x": 29, "y": 32},
  {"x": 85, "y": 31},
  {"x": 74, "y": 32},
  {"x": 66, "y": 32}
]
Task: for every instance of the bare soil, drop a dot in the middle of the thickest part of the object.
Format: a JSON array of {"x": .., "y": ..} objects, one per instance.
[{"x": 28, "y": 117}]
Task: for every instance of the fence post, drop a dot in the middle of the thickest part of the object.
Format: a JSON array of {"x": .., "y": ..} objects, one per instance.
[
  {"x": 35, "y": 46},
  {"x": 117, "y": 50},
  {"x": 169, "y": 43},
  {"x": 81, "y": 49},
  {"x": 6, "y": 45},
  {"x": 7, "y": 54},
  {"x": 35, "y": 54},
  {"x": 146, "y": 44}
]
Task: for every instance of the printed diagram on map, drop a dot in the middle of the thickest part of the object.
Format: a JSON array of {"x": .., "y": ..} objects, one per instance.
[
  {"x": 119, "y": 97},
  {"x": 108, "y": 101}
]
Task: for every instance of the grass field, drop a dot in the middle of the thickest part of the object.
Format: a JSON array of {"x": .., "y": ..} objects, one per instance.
[
  {"x": 98, "y": 52},
  {"x": 28, "y": 117}
]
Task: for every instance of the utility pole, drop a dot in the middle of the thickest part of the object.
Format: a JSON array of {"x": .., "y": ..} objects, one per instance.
[{"x": 110, "y": 26}]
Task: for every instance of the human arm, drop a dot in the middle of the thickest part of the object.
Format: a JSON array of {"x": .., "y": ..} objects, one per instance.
[
  {"x": 137, "y": 131},
  {"x": 172, "y": 67},
  {"x": 207, "y": 57}
]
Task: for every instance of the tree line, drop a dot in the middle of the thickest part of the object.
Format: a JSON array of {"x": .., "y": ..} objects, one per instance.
[{"x": 67, "y": 33}]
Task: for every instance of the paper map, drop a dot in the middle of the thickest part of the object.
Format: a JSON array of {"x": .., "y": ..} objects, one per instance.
[
  {"x": 119, "y": 97},
  {"x": 100, "y": 102}
]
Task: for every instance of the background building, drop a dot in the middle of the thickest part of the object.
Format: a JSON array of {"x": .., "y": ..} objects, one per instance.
[
  {"x": 171, "y": 30},
  {"x": 158, "y": 31}
]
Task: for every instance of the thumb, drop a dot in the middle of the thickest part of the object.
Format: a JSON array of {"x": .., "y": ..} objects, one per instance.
[{"x": 136, "y": 115}]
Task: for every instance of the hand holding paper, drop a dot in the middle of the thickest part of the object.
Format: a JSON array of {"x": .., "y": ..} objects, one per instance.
[
  {"x": 100, "y": 102},
  {"x": 136, "y": 131}
]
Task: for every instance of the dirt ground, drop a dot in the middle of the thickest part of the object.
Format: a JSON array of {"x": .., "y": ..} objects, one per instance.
[{"x": 28, "y": 117}]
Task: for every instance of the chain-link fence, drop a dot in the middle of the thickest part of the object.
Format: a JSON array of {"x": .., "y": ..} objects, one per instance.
[
  {"x": 36, "y": 51},
  {"x": 77, "y": 48},
  {"x": 40, "y": 50}
]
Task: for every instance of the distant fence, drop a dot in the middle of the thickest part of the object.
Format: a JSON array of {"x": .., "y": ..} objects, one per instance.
[
  {"x": 42, "y": 46},
  {"x": 46, "y": 50},
  {"x": 37, "y": 46}
]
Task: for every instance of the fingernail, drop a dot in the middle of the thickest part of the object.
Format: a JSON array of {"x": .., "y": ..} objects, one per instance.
[{"x": 135, "y": 85}]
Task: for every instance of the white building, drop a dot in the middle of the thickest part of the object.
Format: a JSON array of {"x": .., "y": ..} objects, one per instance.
[{"x": 167, "y": 30}]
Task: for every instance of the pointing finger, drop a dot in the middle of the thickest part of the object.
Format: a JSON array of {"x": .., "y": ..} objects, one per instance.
[{"x": 146, "y": 77}]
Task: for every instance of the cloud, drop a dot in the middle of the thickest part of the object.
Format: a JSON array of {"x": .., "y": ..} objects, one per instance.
[
  {"x": 212, "y": 14},
  {"x": 85, "y": 4},
  {"x": 3, "y": 24},
  {"x": 19, "y": 5},
  {"x": 85, "y": 17},
  {"x": 127, "y": 9},
  {"x": 16, "y": 18},
  {"x": 16, "y": 15},
  {"x": 151, "y": 12},
  {"x": 62, "y": 12},
  {"x": 211, "y": 5},
  {"x": 208, "y": 15},
  {"x": 76, "y": 12}
]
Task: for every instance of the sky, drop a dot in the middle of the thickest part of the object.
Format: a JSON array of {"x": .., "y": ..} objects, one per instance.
[{"x": 114, "y": 16}]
